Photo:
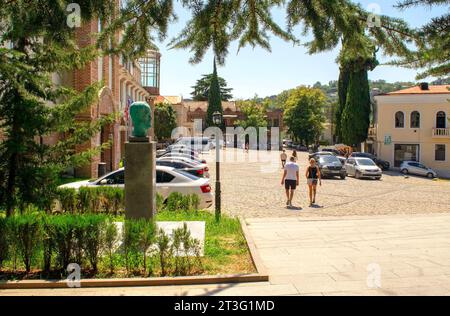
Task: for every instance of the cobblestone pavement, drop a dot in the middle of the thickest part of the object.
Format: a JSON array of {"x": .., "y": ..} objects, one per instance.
[{"x": 252, "y": 188}]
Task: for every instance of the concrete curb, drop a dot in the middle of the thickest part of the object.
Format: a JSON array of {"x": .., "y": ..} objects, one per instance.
[
  {"x": 257, "y": 261},
  {"x": 260, "y": 276}
]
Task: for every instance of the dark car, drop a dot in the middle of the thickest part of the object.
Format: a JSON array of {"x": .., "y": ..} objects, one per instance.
[
  {"x": 383, "y": 164},
  {"x": 196, "y": 170},
  {"x": 331, "y": 166}
]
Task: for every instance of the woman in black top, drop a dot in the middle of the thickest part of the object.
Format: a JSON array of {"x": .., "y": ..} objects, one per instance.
[{"x": 313, "y": 177}]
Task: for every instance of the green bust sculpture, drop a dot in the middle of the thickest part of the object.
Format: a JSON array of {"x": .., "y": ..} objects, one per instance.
[{"x": 141, "y": 115}]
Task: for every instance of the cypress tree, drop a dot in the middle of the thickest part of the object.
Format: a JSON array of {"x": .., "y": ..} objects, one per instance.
[
  {"x": 343, "y": 80},
  {"x": 214, "y": 98},
  {"x": 354, "y": 91},
  {"x": 355, "y": 118}
]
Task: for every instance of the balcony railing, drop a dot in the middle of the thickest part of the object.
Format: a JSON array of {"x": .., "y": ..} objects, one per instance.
[{"x": 441, "y": 132}]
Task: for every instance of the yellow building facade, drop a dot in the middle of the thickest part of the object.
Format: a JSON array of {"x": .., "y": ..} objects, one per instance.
[{"x": 413, "y": 124}]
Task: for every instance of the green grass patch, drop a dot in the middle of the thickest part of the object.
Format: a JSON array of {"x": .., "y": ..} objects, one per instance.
[{"x": 226, "y": 249}]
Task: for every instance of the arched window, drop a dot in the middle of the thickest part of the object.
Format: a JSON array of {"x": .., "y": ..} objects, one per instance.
[
  {"x": 415, "y": 119},
  {"x": 441, "y": 120},
  {"x": 399, "y": 120}
]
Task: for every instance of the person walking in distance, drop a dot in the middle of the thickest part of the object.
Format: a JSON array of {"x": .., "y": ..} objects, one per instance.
[
  {"x": 313, "y": 177},
  {"x": 290, "y": 179},
  {"x": 294, "y": 154},
  {"x": 283, "y": 158}
]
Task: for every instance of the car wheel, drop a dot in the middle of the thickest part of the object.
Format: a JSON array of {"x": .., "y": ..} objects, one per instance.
[
  {"x": 343, "y": 177},
  {"x": 430, "y": 175},
  {"x": 405, "y": 171}
]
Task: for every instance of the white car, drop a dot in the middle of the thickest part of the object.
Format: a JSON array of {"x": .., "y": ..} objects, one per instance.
[
  {"x": 363, "y": 168},
  {"x": 181, "y": 155},
  {"x": 182, "y": 149},
  {"x": 196, "y": 163},
  {"x": 414, "y": 167},
  {"x": 168, "y": 180},
  {"x": 199, "y": 144}
]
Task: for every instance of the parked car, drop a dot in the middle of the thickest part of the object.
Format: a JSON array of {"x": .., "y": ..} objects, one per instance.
[
  {"x": 181, "y": 155},
  {"x": 200, "y": 144},
  {"x": 417, "y": 168},
  {"x": 332, "y": 150},
  {"x": 317, "y": 154},
  {"x": 331, "y": 166},
  {"x": 342, "y": 159},
  {"x": 212, "y": 143},
  {"x": 287, "y": 143},
  {"x": 383, "y": 164},
  {"x": 192, "y": 168},
  {"x": 168, "y": 180},
  {"x": 301, "y": 148},
  {"x": 363, "y": 168},
  {"x": 179, "y": 150},
  {"x": 185, "y": 159}
]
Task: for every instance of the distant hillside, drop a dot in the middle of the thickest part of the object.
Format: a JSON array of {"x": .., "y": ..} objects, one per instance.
[{"x": 330, "y": 90}]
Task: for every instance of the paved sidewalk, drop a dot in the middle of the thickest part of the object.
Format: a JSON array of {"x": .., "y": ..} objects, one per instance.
[
  {"x": 403, "y": 255},
  {"x": 330, "y": 256}
]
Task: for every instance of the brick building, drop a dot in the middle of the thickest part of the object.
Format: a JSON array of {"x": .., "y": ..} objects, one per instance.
[
  {"x": 189, "y": 111},
  {"x": 125, "y": 81}
]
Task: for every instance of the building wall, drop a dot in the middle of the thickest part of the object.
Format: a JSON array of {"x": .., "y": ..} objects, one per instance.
[
  {"x": 327, "y": 133},
  {"x": 428, "y": 105}
]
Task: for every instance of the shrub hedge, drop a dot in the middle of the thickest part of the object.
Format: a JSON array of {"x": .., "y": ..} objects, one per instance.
[
  {"x": 110, "y": 200},
  {"x": 46, "y": 244}
]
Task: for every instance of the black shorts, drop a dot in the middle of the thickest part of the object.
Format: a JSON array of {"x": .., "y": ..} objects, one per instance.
[{"x": 290, "y": 184}]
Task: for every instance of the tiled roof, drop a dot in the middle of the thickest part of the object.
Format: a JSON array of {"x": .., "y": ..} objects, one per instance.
[
  {"x": 441, "y": 89},
  {"x": 203, "y": 105},
  {"x": 169, "y": 99}
]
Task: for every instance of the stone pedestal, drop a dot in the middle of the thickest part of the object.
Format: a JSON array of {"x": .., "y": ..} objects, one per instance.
[{"x": 140, "y": 179}]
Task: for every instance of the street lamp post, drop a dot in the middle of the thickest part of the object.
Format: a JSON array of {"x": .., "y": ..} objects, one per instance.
[{"x": 217, "y": 119}]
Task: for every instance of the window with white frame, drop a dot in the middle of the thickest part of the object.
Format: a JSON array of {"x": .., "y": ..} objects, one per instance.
[
  {"x": 441, "y": 120},
  {"x": 399, "y": 120},
  {"x": 415, "y": 119},
  {"x": 440, "y": 152}
]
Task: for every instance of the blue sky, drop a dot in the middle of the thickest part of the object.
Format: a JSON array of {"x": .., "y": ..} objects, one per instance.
[{"x": 257, "y": 71}]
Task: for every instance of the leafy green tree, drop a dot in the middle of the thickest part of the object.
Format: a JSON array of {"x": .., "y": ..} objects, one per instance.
[
  {"x": 41, "y": 43},
  {"x": 214, "y": 99},
  {"x": 201, "y": 89},
  {"x": 255, "y": 114},
  {"x": 386, "y": 87},
  {"x": 304, "y": 115},
  {"x": 165, "y": 120},
  {"x": 216, "y": 24},
  {"x": 433, "y": 42}
]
